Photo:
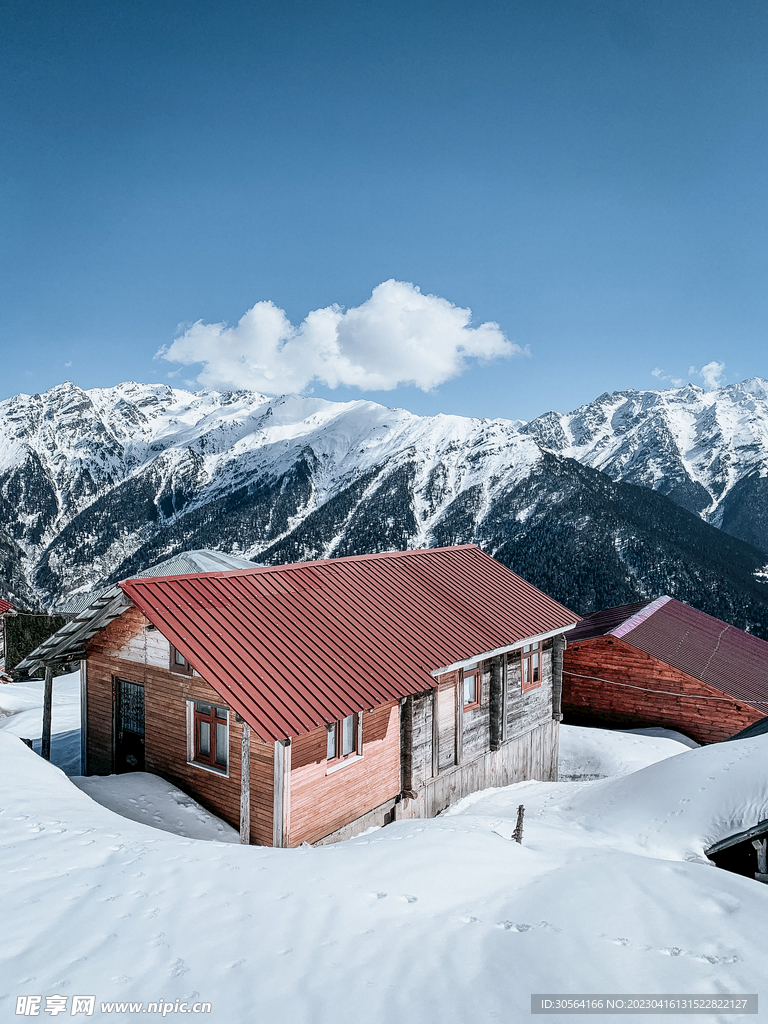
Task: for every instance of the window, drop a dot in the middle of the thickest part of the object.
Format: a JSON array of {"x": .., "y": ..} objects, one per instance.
[
  {"x": 179, "y": 663},
  {"x": 209, "y": 740},
  {"x": 344, "y": 738},
  {"x": 531, "y": 666},
  {"x": 472, "y": 687}
]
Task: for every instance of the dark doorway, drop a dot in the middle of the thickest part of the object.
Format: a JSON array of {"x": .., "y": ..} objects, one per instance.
[
  {"x": 745, "y": 853},
  {"x": 129, "y": 726}
]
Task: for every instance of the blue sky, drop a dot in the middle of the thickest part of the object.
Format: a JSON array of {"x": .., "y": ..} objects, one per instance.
[{"x": 588, "y": 175}]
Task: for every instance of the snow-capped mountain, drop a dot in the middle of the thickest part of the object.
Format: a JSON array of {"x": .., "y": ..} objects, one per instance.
[
  {"x": 95, "y": 485},
  {"x": 706, "y": 450}
]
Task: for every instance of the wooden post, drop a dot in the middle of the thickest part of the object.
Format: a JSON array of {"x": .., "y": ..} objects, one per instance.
[
  {"x": 281, "y": 807},
  {"x": 761, "y": 847},
  {"x": 406, "y": 745},
  {"x": 45, "y": 743},
  {"x": 245, "y": 785},
  {"x": 504, "y": 663},
  {"x": 558, "y": 646},
  {"x": 435, "y": 736},
  {"x": 517, "y": 835},
  {"x": 460, "y": 714},
  {"x": 496, "y": 703},
  {"x": 83, "y": 717}
]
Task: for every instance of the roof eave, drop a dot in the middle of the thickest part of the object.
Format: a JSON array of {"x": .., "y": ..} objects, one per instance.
[{"x": 468, "y": 662}]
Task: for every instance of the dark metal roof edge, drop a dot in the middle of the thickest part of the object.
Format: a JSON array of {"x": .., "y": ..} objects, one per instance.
[{"x": 761, "y": 828}]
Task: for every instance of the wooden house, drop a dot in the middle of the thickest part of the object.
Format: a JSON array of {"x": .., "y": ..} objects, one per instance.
[
  {"x": 663, "y": 663},
  {"x": 307, "y": 702}
]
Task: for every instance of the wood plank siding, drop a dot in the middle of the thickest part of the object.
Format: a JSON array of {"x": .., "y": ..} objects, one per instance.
[
  {"x": 127, "y": 650},
  {"x": 608, "y": 681},
  {"x": 323, "y": 803}
]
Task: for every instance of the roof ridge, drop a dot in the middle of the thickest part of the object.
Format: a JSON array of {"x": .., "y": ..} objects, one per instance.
[
  {"x": 291, "y": 566},
  {"x": 645, "y": 613}
]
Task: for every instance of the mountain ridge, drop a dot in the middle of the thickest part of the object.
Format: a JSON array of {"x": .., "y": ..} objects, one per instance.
[{"x": 97, "y": 484}]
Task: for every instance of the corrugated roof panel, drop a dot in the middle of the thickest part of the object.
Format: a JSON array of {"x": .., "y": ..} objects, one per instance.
[
  {"x": 295, "y": 646},
  {"x": 604, "y": 622},
  {"x": 5, "y": 606},
  {"x": 706, "y": 648}
]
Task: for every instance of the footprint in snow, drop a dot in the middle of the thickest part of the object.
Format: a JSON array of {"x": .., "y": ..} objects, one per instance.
[{"x": 410, "y": 899}]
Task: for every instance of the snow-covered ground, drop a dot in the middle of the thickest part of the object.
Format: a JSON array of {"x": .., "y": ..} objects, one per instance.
[
  {"x": 149, "y": 799},
  {"x": 422, "y": 920},
  {"x": 21, "y": 714}
]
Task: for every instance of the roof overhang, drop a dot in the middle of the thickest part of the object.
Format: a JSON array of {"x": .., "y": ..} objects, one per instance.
[
  {"x": 69, "y": 642},
  {"x": 758, "y": 830},
  {"x": 471, "y": 662}
]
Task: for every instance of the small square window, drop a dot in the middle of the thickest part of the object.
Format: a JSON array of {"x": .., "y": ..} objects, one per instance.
[
  {"x": 530, "y": 665},
  {"x": 209, "y": 740},
  {"x": 343, "y": 738},
  {"x": 470, "y": 689},
  {"x": 179, "y": 663}
]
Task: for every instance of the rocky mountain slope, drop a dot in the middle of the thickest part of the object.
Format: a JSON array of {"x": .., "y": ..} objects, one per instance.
[
  {"x": 706, "y": 450},
  {"x": 96, "y": 485}
]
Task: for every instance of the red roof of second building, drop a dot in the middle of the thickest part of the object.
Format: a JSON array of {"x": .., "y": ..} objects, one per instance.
[
  {"x": 691, "y": 641},
  {"x": 5, "y": 606},
  {"x": 293, "y": 647}
]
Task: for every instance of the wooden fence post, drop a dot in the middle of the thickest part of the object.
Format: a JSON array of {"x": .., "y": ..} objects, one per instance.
[
  {"x": 245, "y": 785},
  {"x": 45, "y": 743}
]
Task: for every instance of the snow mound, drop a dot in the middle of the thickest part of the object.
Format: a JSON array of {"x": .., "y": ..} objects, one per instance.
[
  {"x": 152, "y": 801},
  {"x": 587, "y": 753}
]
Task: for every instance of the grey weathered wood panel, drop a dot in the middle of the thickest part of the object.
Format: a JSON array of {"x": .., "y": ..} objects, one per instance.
[
  {"x": 528, "y": 755},
  {"x": 446, "y": 725}
]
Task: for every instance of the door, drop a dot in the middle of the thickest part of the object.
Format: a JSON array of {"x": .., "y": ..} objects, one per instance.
[
  {"x": 446, "y": 726},
  {"x": 129, "y": 726}
]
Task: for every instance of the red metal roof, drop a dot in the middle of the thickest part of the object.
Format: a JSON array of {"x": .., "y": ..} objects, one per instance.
[
  {"x": 5, "y": 606},
  {"x": 292, "y": 647},
  {"x": 601, "y": 623},
  {"x": 693, "y": 642}
]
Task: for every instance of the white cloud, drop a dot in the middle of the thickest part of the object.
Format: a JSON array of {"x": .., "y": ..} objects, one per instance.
[
  {"x": 398, "y": 336},
  {"x": 674, "y": 381},
  {"x": 67, "y": 365},
  {"x": 712, "y": 374}
]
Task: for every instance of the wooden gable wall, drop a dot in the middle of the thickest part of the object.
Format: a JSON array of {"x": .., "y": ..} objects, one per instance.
[
  {"x": 650, "y": 693},
  {"x": 127, "y": 650}
]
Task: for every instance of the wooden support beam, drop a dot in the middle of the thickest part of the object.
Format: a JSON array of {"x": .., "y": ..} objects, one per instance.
[
  {"x": 460, "y": 714},
  {"x": 406, "y": 744},
  {"x": 496, "y": 702},
  {"x": 245, "y": 785},
  {"x": 435, "y": 736},
  {"x": 281, "y": 810},
  {"x": 558, "y": 646},
  {"x": 45, "y": 744},
  {"x": 83, "y": 717},
  {"x": 504, "y": 663}
]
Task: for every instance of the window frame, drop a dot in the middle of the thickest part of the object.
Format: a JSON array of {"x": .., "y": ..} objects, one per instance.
[
  {"x": 194, "y": 757},
  {"x": 527, "y": 653},
  {"x": 184, "y": 669},
  {"x": 337, "y": 727},
  {"x": 477, "y": 672}
]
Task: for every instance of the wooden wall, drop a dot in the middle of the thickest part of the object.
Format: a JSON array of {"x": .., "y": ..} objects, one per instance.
[
  {"x": 685, "y": 704},
  {"x": 528, "y": 755},
  {"x": 127, "y": 651},
  {"x": 321, "y": 803}
]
